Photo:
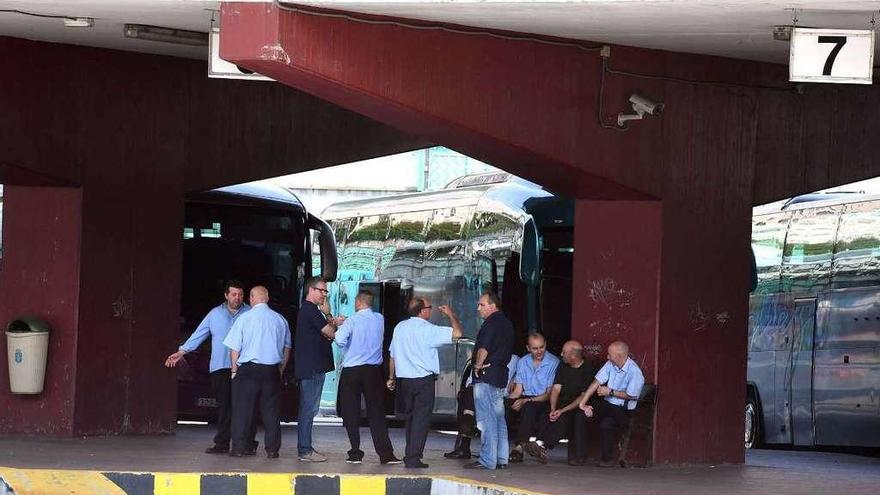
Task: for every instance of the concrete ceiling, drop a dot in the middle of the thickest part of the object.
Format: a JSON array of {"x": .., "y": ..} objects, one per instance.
[{"x": 733, "y": 28}]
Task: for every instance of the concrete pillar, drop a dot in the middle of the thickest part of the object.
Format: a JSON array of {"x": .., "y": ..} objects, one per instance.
[{"x": 104, "y": 269}]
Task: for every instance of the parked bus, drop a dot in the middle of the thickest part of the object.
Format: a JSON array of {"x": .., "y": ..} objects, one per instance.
[
  {"x": 814, "y": 323},
  {"x": 259, "y": 234},
  {"x": 485, "y": 231}
]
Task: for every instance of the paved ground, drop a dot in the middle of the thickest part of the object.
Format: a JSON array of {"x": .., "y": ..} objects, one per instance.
[{"x": 766, "y": 471}]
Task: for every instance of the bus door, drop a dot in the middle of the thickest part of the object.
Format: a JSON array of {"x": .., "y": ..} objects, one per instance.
[
  {"x": 390, "y": 299},
  {"x": 801, "y": 406}
]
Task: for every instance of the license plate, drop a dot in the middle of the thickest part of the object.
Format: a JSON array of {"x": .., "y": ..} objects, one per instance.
[{"x": 206, "y": 402}]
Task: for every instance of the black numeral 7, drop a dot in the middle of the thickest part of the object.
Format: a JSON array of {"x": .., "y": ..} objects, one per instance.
[{"x": 838, "y": 41}]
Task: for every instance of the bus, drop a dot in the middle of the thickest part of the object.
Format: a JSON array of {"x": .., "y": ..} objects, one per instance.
[
  {"x": 484, "y": 231},
  {"x": 814, "y": 323},
  {"x": 257, "y": 233}
]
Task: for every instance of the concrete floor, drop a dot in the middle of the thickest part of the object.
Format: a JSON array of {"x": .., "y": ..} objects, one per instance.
[{"x": 766, "y": 471}]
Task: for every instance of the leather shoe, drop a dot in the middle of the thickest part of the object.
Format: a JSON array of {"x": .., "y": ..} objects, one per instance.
[
  {"x": 475, "y": 465},
  {"x": 501, "y": 466},
  {"x": 272, "y": 455},
  {"x": 457, "y": 454},
  {"x": 418, "y": 465},
  {"x": 516, "y": 456},
  {"x": 217, "y": 449},
  {"x": 253, "y": 449}
]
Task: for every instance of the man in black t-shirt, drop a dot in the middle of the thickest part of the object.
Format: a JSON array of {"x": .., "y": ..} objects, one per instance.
[
  {"x": 492, "y": 353},
  {"x": 572, "y": 378},
  {"x": 313, "y": 358}
]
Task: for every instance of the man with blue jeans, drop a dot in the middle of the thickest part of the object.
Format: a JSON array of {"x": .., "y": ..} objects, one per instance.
[
  {"x": 493, "y": 349},
  {"x": 313, "y": 358}
]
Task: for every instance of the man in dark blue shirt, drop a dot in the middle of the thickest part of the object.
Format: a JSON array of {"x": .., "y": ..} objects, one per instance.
[
  {"x": 313, "y": 357},
  {"x": 493, "y": 349}
]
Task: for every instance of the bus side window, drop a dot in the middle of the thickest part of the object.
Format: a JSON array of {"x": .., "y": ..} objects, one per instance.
[
  {"x": 857, "y": 249},
  {"x": 768, "y": 237},
  {"x": 806, "y": 261}
]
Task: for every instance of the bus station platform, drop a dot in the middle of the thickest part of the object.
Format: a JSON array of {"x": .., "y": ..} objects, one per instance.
[{"x": 175, "y": 464}]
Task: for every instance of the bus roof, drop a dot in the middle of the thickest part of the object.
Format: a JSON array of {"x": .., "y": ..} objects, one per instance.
[
  {"x": 506, "y": 189},
  {"x": 259, "y": 193},
  {"x": 814, "y": 200}
]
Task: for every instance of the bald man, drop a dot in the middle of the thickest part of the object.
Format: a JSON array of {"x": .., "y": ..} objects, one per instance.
[
  {"x": 619, "y": 382},
  {"x": 259, "y": 344},
  {"x": 564, "y": 419}
]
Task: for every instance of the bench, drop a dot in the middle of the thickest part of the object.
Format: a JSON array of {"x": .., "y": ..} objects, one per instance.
[{"x": 641, "y": 423}]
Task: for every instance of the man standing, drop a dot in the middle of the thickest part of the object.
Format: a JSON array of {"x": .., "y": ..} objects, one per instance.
[
  {"x": 414, "y": 360},
  {"x": 531, "y": 394},
  {"x": 361, "y": 337},
  {"x": 313, "y": 359},
  {"x": 570, "y": 382},
  {"x": 493, "y": 348},
  {"x": 620, "y": 382},
  {"x": 217, "y": 323},
  {"x": 259, "y": 344}
]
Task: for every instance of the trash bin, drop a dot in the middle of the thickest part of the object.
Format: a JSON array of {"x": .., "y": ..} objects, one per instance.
[{"x": 27, "y": 344}]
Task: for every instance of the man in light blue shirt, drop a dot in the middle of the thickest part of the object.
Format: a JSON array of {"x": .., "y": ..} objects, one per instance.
[
  {"x": 217, "y": 323},
  {"x": 415, "y": 362},
  {"x": 531, "y": 393},
  {"x": 619, "y": 382},
  {"x": 259, "y": 344},
  {"x": 361, "y": 337}
]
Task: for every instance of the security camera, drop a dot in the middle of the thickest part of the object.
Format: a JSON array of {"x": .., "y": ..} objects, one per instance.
[{"x": 644, "y": 105}]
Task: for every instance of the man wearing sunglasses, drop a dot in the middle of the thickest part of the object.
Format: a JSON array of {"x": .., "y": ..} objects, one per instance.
[{"x": 313, "y": 358}]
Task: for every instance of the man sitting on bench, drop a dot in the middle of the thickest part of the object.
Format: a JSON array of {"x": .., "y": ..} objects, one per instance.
[
  {"x": 531, "y": 393},
  {"x": 564, "y": 418},
  {"x": 620, "y": 382}
]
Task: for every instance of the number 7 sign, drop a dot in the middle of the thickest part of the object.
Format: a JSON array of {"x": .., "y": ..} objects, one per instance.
[{"x": 831, "y": 56}]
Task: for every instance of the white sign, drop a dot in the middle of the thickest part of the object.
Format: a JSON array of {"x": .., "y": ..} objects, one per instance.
[
  {"x": 831, "y": 55},
  {"x": 217, "y": 67}
]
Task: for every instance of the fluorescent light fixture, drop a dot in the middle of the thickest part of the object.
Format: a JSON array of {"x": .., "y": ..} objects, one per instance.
[
  {"x": 166, "y": 35},
  {"x": 79, "y": 22}
]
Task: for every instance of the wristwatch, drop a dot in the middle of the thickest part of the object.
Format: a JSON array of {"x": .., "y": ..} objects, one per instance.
[{"x": 611, "y": 394}]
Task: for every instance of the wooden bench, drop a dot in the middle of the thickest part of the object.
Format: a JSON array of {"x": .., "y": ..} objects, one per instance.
[{"x": 641, "y": 422}]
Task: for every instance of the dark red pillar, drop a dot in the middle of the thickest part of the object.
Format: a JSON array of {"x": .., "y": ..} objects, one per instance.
[{"x": 674, "y": 243}]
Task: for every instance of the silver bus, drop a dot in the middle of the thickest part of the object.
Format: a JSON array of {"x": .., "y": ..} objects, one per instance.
[
  {"x": 485, "y": 231},
  {"x": 814, "y": 323}
]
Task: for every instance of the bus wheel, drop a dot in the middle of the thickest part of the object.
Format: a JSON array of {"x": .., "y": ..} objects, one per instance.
[{"x": 753, "y": 424}]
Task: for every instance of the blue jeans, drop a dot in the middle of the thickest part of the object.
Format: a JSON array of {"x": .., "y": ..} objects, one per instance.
[
  {"x": 309, "y": 404},
  {"x": 489, "y": 402}
]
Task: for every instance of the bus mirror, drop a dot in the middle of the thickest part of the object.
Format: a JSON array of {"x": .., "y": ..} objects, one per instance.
[
  {"x": 529, "y": 260},
  {"x": 753, "y": 283},
  {"x": 327, "y": 242}
]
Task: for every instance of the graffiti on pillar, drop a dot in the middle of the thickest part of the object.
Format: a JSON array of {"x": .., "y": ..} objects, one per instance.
[
  {"x": 274, "y": 53},
  {"x": 611, "y": 298},
  {"x": 593, "y": 349},
  {"x": 19, "y": 356},
  {"x": 121, "y": 308},
  {"x": 705, "y": 318},
  {"x": 607, "y": 293}
]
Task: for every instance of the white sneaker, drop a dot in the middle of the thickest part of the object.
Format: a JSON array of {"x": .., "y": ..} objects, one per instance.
[{"x": 313, "y": 457}]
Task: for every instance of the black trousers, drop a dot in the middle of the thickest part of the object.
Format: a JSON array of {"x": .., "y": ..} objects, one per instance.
[
  {"x": 571, "y": 425},
  {"x": 221, "y": 383},
  {"x": 417, "y": 395},
  {"x": 531, "y": 416},
  {"x": 611, "y": 419},
  {"x": 364, "y": 381},
  {"x": 253, "y": 383}
]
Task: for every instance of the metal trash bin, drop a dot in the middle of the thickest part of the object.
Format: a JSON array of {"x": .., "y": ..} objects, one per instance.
[{"x": 27, "y": 346}]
